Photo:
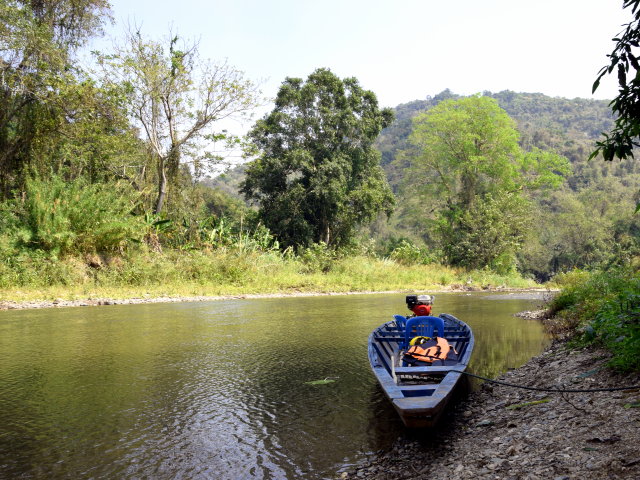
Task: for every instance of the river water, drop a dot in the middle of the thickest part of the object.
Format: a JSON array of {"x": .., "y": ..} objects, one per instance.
[{"x": 217, "y": 389}]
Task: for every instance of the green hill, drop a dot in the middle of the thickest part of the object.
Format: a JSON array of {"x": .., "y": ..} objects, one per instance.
[
  {"x": 589, "y": 221},
  {"x": 568, "y": 126}
]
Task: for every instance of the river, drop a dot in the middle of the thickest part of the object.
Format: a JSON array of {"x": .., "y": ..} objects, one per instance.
[{"x": 220, "y": 390}]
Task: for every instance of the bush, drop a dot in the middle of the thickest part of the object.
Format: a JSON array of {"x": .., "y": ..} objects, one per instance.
[
  {"x": 318, "y": 257},
  {"x": 78, "y": 217},
  {"x": 38, "y": 269},
  {"x": 603, "y": 308},
  {"x": 215, "y": 233},
  {"x": 407, "y": 253}
]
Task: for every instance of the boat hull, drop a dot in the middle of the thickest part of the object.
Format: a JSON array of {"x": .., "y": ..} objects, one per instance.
[{"x": 419, "y": 394}]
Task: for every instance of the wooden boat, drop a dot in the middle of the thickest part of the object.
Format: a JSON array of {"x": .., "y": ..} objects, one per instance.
[{"x": 419, "y": 392}]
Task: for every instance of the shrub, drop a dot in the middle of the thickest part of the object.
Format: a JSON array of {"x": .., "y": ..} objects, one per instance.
[
  {"x": 78, "y": 217},
  {"x": 227, "y": 233},
  {"x": 603, "y": 308},
  {"x": 39, "y": 269},
  {"x": 318, "y": 257},
  {"x": 407, "y": 253}
]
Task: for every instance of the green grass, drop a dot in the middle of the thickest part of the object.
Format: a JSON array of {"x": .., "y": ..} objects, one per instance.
[{"x": 225, "y": 272}]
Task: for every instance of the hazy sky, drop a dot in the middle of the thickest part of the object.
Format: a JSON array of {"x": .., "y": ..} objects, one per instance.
[{"x": 403, "y": 50}]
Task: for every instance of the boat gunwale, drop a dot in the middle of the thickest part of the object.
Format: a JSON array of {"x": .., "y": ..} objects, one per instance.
[{"x": 418, "y": 410}]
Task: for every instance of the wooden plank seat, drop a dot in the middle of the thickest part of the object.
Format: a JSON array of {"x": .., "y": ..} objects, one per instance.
[
  {"x": 423, "y": 387},
  {"x": 422, "y": 370},
  {"x": 400, "y": 339}
]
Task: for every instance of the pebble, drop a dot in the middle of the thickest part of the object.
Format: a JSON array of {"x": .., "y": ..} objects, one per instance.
[{"x": 484, "y": 423}]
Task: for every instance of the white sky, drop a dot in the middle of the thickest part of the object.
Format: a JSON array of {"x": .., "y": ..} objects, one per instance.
[{"x": 403, "y": 50}]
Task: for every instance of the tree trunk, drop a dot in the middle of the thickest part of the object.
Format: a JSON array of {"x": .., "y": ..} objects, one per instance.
[
  {"x": 162, "y": 187},
  {"x": 326, "y": 236},
  {"x": 468, "y": 193}
]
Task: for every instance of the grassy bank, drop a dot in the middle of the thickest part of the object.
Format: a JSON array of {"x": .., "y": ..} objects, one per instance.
[
  {"x": 227, "y": 272},
  {"x": 601, "y": 308}
]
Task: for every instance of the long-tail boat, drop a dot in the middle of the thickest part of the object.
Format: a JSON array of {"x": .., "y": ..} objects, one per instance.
[{"x": 418, "y": 361}]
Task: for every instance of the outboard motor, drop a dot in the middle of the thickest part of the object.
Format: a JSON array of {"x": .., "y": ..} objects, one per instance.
[{"x": 420, "y": 305}]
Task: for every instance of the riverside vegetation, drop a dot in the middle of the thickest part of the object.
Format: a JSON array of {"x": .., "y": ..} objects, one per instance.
[{"x": 105, "y": 188}]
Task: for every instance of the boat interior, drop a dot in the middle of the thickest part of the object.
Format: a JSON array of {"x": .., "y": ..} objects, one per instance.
[{"x": 418, "y": 378}]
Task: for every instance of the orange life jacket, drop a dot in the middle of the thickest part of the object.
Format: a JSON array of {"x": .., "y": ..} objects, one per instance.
[{"x": 435, "y": 349}]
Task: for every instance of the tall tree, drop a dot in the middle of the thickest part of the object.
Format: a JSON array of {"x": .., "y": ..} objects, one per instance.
[
  {"x": 38, "y": 40},
  {"x": 318, "y": 175},
  {"x": 177, "y": 100},
  {"x": 468, "y": 166}
]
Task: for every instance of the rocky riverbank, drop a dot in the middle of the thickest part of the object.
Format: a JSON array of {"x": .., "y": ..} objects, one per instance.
[
  {"x": 91, "y": 302},
  {"x": 500, "y": 432}
]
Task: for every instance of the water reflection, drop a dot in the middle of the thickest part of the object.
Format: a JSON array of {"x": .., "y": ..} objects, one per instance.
[{"x": 215, "y": 390}]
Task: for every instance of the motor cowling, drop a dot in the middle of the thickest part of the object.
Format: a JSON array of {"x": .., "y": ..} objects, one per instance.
[
  {"x": 421, "y": 310},
  {"x": 420, "y": 305}
]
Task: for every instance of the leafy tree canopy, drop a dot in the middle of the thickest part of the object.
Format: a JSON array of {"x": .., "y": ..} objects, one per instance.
[
  {"x": 467, "y": 164},
  {"x": 623, "y": 138},
  {"x": 42, "y": 94},
  {"x": 470, "y": 147},
  {"x": 318, "y": 174}
]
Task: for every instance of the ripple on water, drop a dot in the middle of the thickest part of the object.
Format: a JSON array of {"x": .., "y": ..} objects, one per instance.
[{"x": 217, "y": 390}]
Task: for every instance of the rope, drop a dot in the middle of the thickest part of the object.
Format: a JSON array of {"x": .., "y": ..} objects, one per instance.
[{"x": 541, "y": 389}]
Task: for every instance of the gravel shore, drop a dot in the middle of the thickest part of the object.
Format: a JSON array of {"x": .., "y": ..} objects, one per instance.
[
  {"x": 504, "y": 433},
  {"x": 18, "y": 305},
  {"x": 89, "y": 302}
]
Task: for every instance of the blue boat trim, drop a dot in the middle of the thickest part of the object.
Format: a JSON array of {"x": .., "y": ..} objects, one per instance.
[{"x": 418, "y": 393}]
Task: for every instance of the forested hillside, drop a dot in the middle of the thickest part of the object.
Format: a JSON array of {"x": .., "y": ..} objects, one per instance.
[
  {"x": 568, "y": 126},
  {"x": 103, "y": 166},
  {"x": 588, "y": 220}
]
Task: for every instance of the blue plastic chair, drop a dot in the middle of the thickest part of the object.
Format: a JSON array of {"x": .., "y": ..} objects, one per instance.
[
  {"x": 423, "y": 327},
  {"x": 401, "y": 321}
]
